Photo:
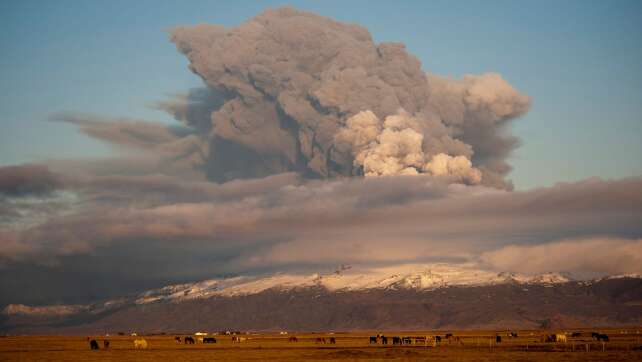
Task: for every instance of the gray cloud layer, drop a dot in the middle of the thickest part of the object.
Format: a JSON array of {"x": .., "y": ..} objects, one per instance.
[
  {"x": 27, "y": 180},
  {"x": 176, "y": 229}
]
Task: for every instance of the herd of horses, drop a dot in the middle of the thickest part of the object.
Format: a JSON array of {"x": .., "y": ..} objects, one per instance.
[
  {"x": 191, "y": 340},
  {"x": 450, "y": 338},
  {"x": 409, "y": 340},
  {"x": 141, "y": 343}
]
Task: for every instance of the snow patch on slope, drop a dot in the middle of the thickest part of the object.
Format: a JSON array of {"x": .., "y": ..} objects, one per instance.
[{"x": 411, "y": 276}]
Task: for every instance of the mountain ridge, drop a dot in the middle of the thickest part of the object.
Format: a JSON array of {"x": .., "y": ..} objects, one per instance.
[
  {"x": 344, "y": 278},
  {"x": 349, "y": 300}
]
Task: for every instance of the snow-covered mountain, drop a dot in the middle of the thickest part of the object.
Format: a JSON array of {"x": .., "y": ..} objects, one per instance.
[
  {"x": 409, "y": 296},
  {"x": 346, "y": 278},
  {"x": 343, "y": 279}
]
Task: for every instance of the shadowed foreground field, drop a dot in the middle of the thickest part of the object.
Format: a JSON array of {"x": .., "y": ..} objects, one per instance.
[{"x": 473, "y": 346}]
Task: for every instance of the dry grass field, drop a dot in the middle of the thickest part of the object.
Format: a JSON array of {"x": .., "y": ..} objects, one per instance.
[{"x": 474, "y": 346}]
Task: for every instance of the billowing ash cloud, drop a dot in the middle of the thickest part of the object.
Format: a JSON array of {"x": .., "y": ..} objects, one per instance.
[
  {"x": 395, "y": 148},
  {"x": 283, "y": 85}
]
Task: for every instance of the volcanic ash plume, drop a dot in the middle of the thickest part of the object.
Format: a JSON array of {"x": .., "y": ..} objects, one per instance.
[
  {"x": 294, "y": 91},
  {"x": 394, "y": 147}
]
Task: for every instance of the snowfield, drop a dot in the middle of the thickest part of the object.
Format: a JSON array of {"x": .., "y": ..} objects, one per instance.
[
  {"x": 412, "y": 276},
  {"x": 345, "y": 278}
]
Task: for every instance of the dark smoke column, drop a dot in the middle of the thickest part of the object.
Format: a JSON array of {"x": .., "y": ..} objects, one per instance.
[{"x": 284, "y": 84}]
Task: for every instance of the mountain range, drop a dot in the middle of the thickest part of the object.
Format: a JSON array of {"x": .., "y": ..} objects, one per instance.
[{"x": 411, "y": 297}]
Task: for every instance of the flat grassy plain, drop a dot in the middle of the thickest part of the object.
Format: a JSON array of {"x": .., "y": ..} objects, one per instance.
[{"x": 474, "y": 346}]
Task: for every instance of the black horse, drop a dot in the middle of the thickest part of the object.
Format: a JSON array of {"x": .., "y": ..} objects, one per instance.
[
  {"x": 602, "y": 337},
  {"x": 209, "y": 340},
  {"x": 93, "y": 344},
  {"x": 189, "y": 340}
]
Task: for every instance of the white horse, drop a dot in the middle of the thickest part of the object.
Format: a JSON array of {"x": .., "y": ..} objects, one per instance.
[{"x": 140, "y": 344}]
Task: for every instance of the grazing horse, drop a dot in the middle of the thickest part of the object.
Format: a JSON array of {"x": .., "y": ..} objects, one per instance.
[
  {"x": 333, "y": 341},
  {"x": 236, "y": 339},
  {"x": 560, "y": 338},
  {"x": 209, "y": 340},
  {"x": 140, "y": 344},
  {"x": 373, "y": 340},
  {"x": 384, "y": 340},
  {"x": 105, "y": 344},
  {"x": 396, "y": 340},
  {"x": 178, "y": 340},
  {"x": 293, "y": 339},
  {"x": 93, "y": 344},
  {"x": 406, "y": 340},
  {"x": 602, "y": 337},
  {"x": 498, "y": 339},
  {"x": 320, "y": 340},
  {"x": 188, "y": 340}
]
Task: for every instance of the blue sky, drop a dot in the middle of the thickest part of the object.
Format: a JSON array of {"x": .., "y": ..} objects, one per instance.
[{"x": 580, "y": 61}]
